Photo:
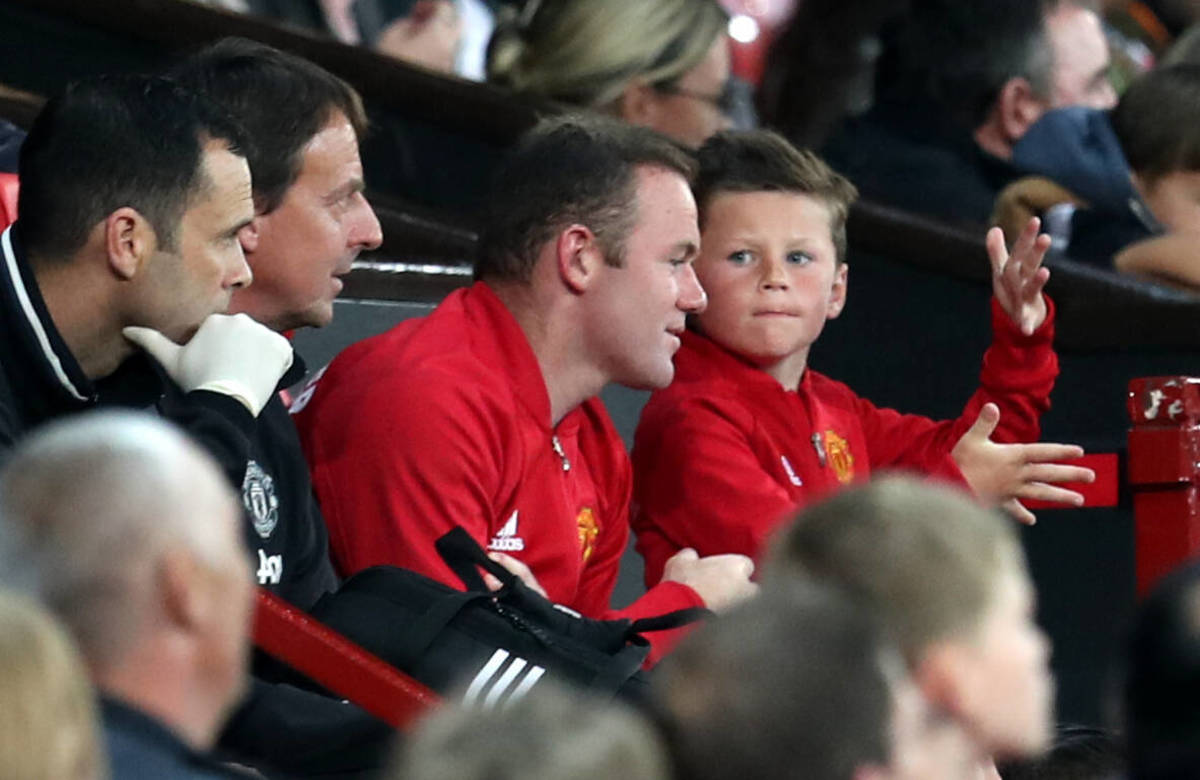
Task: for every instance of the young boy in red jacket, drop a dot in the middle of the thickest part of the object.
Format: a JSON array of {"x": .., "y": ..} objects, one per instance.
[{"x": 746, "y": 432}]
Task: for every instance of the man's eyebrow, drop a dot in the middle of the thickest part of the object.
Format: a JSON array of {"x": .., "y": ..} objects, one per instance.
[
  {"x": 233, "y": 231},
  {"x": 349, "y": 188},
  {"x": 685, "y": 248}
]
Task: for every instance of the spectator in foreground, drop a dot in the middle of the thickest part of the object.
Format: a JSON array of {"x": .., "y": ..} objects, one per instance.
[
  {"x": 798, "y": 682},
  {"x": 1162, "y": 681},
  {"x": 151, "y": 580},
  {"x": 554, "y": 733},
  {"x": 948, "y": 577},
  {"x": 48, "y": 720}
]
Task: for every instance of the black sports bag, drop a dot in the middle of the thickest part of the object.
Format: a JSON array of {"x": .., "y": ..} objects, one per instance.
[{"x": 494, "y": 646}]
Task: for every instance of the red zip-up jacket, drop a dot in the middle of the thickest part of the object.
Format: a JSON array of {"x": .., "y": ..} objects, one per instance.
[
  {"x": 725, "y": 454},
  {"x": 444, "y": 421}
]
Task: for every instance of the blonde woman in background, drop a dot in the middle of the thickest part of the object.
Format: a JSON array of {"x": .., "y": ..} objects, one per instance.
[
  {"x": 662, "y": 64},
  {"x": 48, "y": 721}
]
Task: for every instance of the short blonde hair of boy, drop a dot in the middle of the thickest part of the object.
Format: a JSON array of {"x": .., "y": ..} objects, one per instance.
[
  {"x": 926, "y": 558},
  {"x": 764, "y": 161},
  {"x": 48, "y": 720},
  {"x": 586, "y": 52}
]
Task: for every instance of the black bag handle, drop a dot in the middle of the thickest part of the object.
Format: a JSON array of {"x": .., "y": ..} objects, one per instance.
[
  {"x": 465, "y": 557},
  {"x": 668, "y": 620}
]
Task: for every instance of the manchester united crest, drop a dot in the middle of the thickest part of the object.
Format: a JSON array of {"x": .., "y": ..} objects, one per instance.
[
  {"x": 588, "y": 531},
  {"x": 840, "y": 458},
  {"x": 258, "y": 496}
]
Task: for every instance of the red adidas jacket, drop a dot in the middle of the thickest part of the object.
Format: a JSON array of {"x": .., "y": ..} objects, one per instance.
[{"x": 444, "y": 421}]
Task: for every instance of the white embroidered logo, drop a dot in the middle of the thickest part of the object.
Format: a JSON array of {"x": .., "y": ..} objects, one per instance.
[
  {"x": 260, "y": 500},
  {"x": 270, "y": 568},
  {"x": 507, "y": 539},
  {"x": 791, "y": 472}
]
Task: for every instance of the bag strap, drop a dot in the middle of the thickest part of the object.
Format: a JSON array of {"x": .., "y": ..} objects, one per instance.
[
  {"x": 676, "y": 619},
  {"x": 465, "y": 557}
]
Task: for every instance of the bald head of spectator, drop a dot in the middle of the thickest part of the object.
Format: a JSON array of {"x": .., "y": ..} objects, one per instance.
[
  {"x": 303, "y": 127},
  {"x": 131, "y": 536}
]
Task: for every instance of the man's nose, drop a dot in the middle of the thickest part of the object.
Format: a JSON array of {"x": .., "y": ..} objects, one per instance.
[
  {"x": 692, "y": 297},
  {"x": 365, "y": 233}
]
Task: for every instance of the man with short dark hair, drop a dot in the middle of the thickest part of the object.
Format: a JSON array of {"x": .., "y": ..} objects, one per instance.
[
  {"x": 311, "y": 220},
  {"x": 959, "y": 82},
  {"x": 135, "y": 201},
  {"x": 484, "y": 415}
]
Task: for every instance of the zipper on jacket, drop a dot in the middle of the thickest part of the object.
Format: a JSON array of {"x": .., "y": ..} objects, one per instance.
[{"x": 558, "y": 450}]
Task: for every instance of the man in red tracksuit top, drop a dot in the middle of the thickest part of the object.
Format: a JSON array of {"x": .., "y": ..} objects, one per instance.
[
  {"x": 484, "y": 415},
  {"x": 747, "y": 433}
]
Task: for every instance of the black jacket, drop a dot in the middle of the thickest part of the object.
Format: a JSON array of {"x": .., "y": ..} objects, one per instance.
[
  {"x": 916, "y": 157},
  {"x": 40, "y": 380}
]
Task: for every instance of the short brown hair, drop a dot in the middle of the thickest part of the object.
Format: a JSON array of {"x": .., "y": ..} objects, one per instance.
[
  {"x": 1157, "y": 122},
  {"x": 281, "y": 100},
  {"x": 927, "y": 558},
  {"x": 764, "y": 161},
  {"x": 568, "y": 170}
]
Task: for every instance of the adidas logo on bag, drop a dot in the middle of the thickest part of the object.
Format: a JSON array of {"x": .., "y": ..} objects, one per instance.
[{"x": 504, "y": 668}]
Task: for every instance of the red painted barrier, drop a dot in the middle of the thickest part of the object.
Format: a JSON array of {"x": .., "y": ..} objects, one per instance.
[
  {"x": 338, "y": 664},
  {"x": 1164, "y": 473},
  {"x": 1104, "y": 491}
]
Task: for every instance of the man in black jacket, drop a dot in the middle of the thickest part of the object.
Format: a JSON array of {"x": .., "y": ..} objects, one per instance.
[
  {"x": 311, "y": 220},
  {"x": 135, "y": 199}
]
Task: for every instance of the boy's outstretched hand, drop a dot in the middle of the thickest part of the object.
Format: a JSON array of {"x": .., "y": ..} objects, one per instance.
[
  {"x": 1018, "y": 279},
  {"x": 1002, "y": 474}
]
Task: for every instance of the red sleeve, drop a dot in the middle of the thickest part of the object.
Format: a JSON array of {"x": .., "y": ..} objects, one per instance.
[
  {"x": 397, "y": 467},
  {"x": 599, "y": 576},
  {"x": 699, "y": 484},
  {"x": 1018, "y": 375}
]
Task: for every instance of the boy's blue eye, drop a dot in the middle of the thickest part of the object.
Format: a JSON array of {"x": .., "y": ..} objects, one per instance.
[
  {"x": 740, "y": 257},
  {"x": 799, "y": 258}
]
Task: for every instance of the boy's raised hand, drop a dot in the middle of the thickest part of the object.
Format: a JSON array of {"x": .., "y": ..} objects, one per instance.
[
  {"x": 1002, "y": 474},
  {"x": 1018, "y": 279}
]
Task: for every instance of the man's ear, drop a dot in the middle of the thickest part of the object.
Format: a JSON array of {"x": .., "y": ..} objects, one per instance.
[
  {"x": 129, "y": 241},
  {"x": 638, "y": 104},
  {"x": 578, "y": 256},
  {"x": 249, "y": 235},
  {"x": 837, "y": 296},
  {"x": 1018, "y": 107},
  {"x": 178, "y": 579},
  {"x": 939, "y": 674}
]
